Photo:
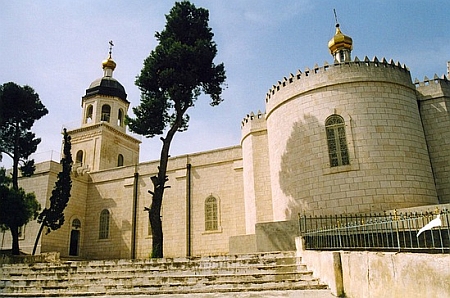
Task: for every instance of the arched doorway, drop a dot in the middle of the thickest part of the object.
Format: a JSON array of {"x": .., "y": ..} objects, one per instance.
[{"x": 74, "y": 245}]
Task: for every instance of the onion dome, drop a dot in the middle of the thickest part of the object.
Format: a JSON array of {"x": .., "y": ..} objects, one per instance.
[
  {"x": 107, "y": 85},
  {"x": 109, "y": 63},
  {"x": 340, "y": 41}
]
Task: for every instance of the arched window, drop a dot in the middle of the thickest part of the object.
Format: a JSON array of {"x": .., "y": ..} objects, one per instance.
[
  {"x": 89, "y": 113},
  {"x": 106, "y": 113},
  {"x": 104, "y": 225},
  {"x": 211, "y": 214},
  {"x": 79, "y": 157},
  {"x": 120, "y": 160},
  {"x": 76, "y": 224},
  {"x": 120, "y": 117},
  {"x": 337, "y": 141}
]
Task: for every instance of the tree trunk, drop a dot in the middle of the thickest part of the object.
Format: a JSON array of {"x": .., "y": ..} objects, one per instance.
[
  {"x": 15, "y": 240},
  {"x": 158, "y": 193},
  {"x": 16, "y": 158},
  {"x": 157, "y": 233},
  {"x": 38, "y": 237}
]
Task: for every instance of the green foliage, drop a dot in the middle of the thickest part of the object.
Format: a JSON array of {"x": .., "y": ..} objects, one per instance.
[
  {"x": 20, "y": 107},
  {"x": 28, "y": 168},
  {"x": 17, "y": 207},
  {"x": 53, "y": 216},
  {"x": 177, "y": 71}
]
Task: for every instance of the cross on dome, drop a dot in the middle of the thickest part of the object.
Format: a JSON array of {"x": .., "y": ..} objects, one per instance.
[{"x": 108, "y": 64}]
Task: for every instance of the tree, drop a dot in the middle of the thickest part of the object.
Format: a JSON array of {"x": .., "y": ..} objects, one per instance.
[
  {"x": 16, "y": 208},
  {"x": 53, "y": 217},
  {"x": 177, "y": 71},
  {"x": 20, "y": 107}
]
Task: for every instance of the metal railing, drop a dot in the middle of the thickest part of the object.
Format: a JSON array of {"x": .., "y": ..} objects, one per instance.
[{"x": 386, "y": 232}]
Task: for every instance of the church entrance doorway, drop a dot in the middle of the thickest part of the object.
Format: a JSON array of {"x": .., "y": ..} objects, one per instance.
[{"x": 75, "y": 238}]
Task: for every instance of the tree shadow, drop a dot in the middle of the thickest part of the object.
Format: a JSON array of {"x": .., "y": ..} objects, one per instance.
[{"x": 298, "y": 169}]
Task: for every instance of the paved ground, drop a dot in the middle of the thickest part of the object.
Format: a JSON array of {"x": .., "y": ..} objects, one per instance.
[{"x": 265, "y": 294}]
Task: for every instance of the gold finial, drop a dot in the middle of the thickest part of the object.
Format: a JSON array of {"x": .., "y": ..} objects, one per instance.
[{"x": 339, "y": 40}]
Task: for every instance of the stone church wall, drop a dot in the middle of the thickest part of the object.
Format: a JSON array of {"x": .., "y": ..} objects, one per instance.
[
  {"x": 434, "y": 96},
  {"x": 389, "y": 164},
  {"x": 215, "y": 173}
]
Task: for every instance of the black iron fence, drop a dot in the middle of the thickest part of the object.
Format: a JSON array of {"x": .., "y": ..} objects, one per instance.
[{"x": 408, "y": 232}]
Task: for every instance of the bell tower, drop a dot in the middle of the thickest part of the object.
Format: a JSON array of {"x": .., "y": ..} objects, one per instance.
[{"x": 102, "y": 141}]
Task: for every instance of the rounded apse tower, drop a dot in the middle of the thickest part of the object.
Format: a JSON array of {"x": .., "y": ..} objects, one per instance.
[{"x": 347, "y": 138}]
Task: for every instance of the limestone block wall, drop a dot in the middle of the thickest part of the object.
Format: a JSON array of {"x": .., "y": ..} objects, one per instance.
[
  {"x": 216, "y": 173},
  {"x": 389, "y": 164},
  {"x": 108, "y": 190},
  {"x": 434, "y": 102},
  {"x": 257, "y": 190},
  {"x": 59, "y": 240}
]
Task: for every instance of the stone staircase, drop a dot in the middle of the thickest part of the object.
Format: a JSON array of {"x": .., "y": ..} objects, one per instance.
[{"x": 216, "y": 274}]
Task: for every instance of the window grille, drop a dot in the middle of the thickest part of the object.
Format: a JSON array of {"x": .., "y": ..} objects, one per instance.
[
  {"x": 104, "y": 225},
  {"x": 337, "y": 141},
  {"x": 211, "y": 214}
]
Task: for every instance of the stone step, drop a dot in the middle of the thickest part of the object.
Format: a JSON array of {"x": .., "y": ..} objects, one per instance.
[
  {"x": 181, "y": 288},
  {"x": 263, "y": 272}
]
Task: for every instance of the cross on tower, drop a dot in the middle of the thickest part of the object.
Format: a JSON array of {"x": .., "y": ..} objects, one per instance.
[
  {"x": 335, "y": 18},
  {"x": 110, "y": 47}
]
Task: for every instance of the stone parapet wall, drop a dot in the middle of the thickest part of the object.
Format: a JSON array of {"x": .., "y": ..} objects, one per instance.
[{"x": 380, "y": 274}]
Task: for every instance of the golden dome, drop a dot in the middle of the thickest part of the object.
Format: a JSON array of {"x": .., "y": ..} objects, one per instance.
[
  {"x": 340, "y": 41},
  {"x": 109, "y": 63}
]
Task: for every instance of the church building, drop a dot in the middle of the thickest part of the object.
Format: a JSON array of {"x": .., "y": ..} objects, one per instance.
[{"x": 352, "y": 136}]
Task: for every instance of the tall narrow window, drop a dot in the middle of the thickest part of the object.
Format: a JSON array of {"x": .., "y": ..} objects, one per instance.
[
  {"x": 120, "y": 160},
  {"x": 106, "y": 113},
  {"x": 89, "y": 113},
  {"x": 211, "y": 214},
  {"x": 79, "y": 157},
  {"x": 120, "y": 118},
  {"x": 104, "y": 225},
  {"x": 337, "y": 141}
]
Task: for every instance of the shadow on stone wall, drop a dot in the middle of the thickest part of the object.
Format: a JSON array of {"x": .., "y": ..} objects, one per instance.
[{"x": 295, "y": 160}]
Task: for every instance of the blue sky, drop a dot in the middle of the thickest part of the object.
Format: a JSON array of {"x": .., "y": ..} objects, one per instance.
[{"x": 57, "y": 47}]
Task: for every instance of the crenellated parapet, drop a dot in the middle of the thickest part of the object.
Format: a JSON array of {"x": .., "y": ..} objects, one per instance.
[
  {"x": 433, "y": 88},
  {"x": 313, "y": 79},
  {"x": 253, "y": 123}
]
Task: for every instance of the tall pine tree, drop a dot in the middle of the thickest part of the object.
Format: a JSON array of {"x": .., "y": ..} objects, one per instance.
[
  {"x": 20, "y": 107},
  {"x": 177, "y": 71}
]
